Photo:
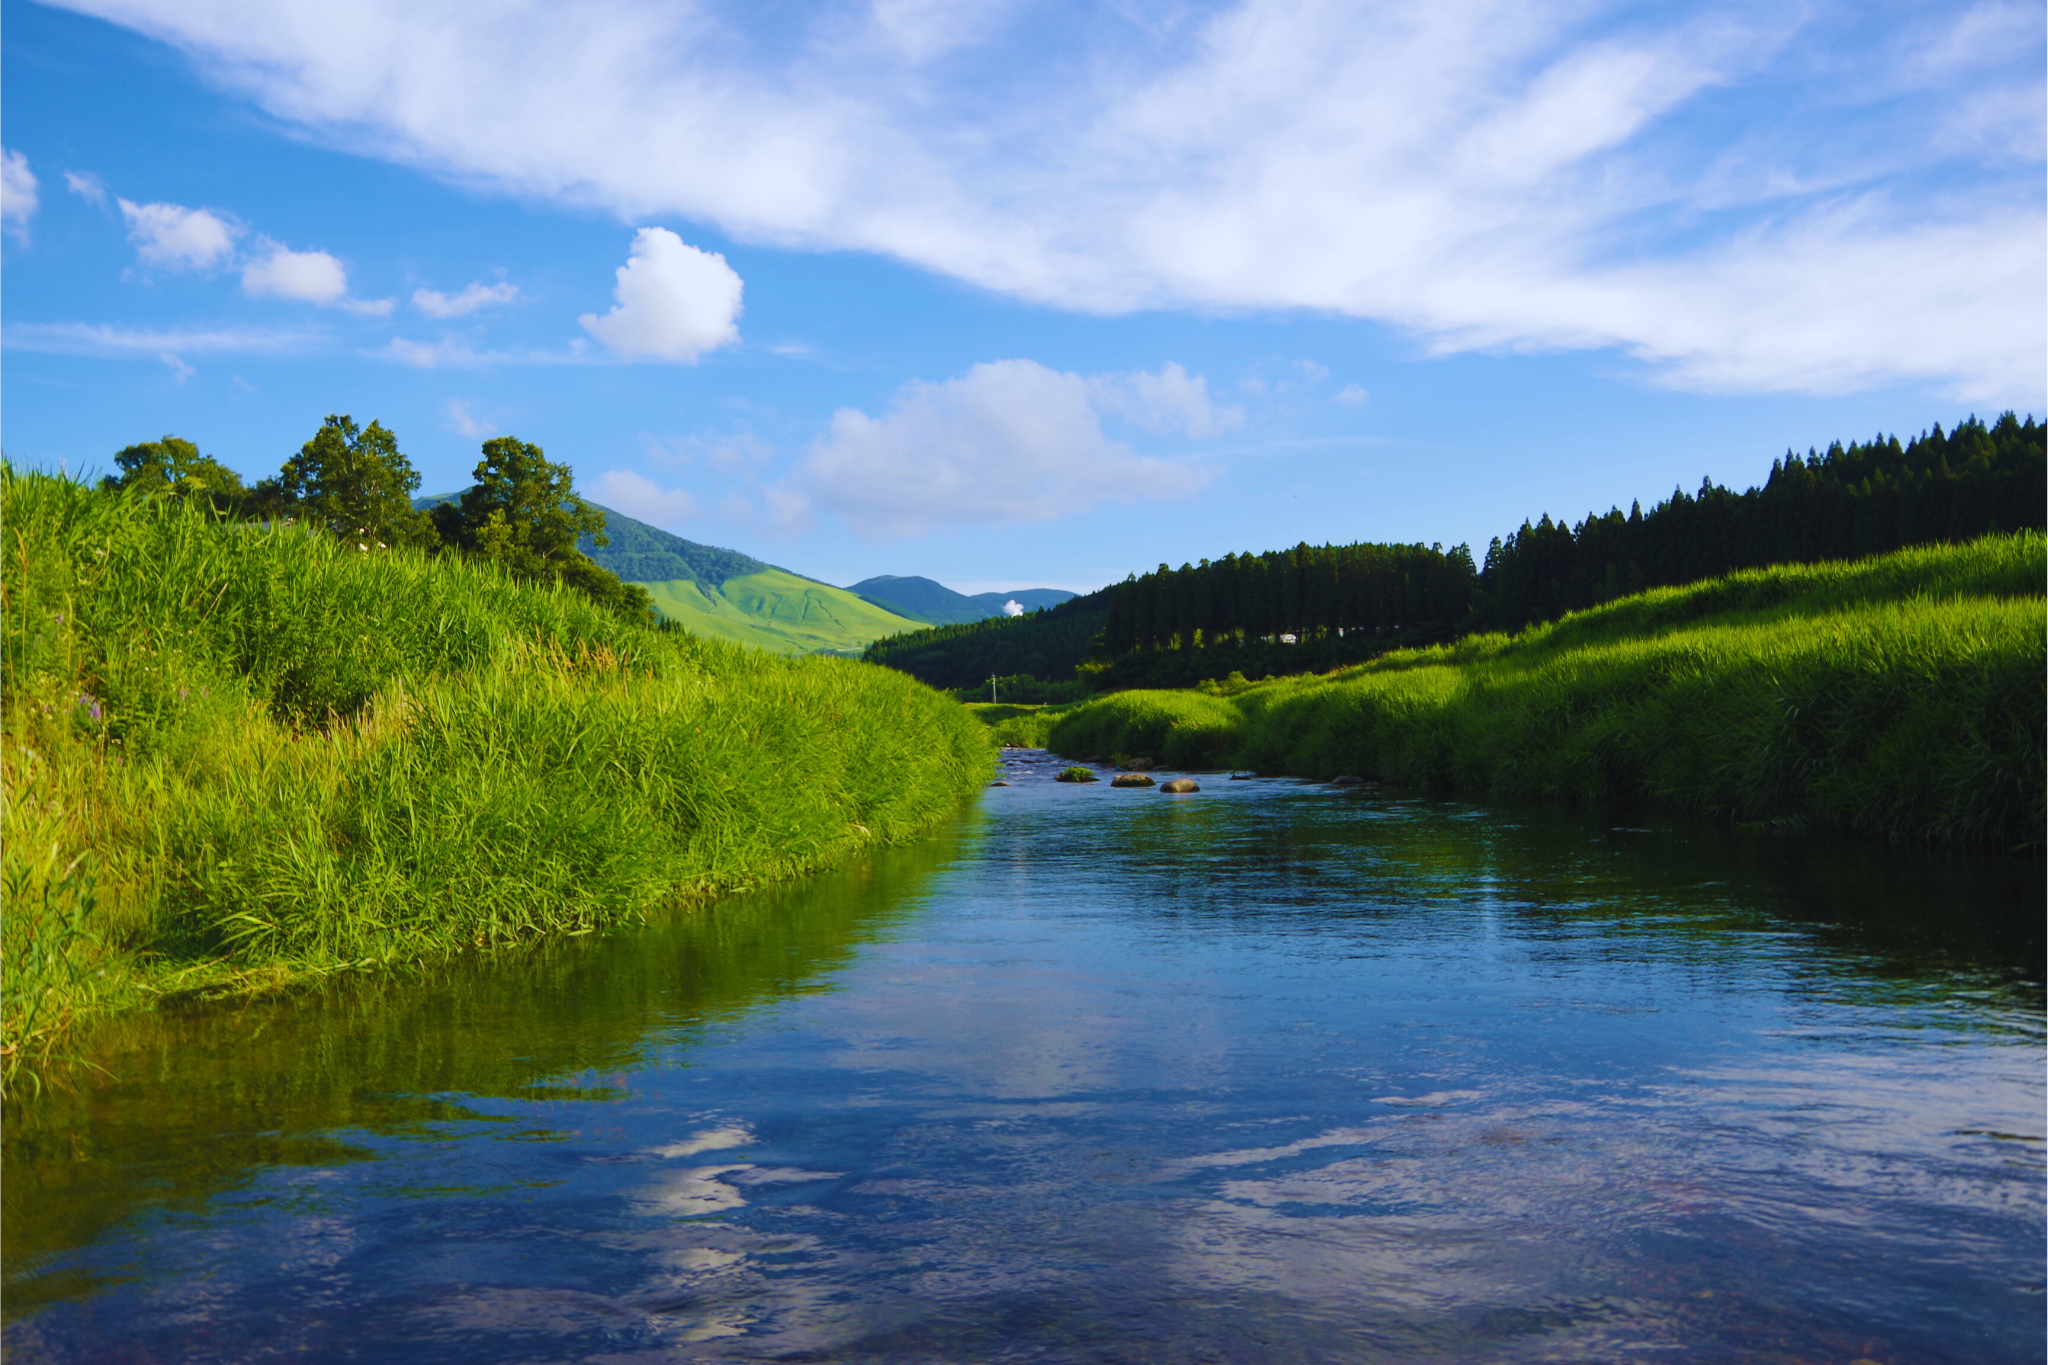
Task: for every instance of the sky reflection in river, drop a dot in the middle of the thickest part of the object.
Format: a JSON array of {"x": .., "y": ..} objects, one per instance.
[{"x": 1271, "y": 1073}]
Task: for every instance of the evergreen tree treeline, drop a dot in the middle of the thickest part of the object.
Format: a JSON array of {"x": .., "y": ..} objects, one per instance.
[
  {"x": 352, "y": 482},
  {"x": 1843, "y": 503},
  {"x": 1307, "y": 592},
  {"x": 1046, "y": 643},
  {"x": 1344, "y": 603}
]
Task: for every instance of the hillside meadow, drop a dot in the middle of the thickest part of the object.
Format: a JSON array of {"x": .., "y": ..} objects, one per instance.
[
  {"x": 238, "y": 755},
  {"x": 1900, "y": 696}
]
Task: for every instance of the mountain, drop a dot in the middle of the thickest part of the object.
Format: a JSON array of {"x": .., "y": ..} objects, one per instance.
[
  {"x": 939, "y": 605},
  {"x": 712, "y": 591}
]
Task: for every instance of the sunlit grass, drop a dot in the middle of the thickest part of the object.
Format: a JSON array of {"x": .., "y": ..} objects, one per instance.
[
  {"x": 236, "y": 755},
  {"x": 1899, "y": 696}
]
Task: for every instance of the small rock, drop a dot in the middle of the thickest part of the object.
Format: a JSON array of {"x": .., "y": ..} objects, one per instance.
[
  {"x": 1075, "y": 775},
  {"x": 1242, "y": 777},
  {"x": 1131, "y": 780},
  {"x": 1347, "y": 781},
  {"x": 999, "y": 784},
  {"x": 1181, "y": 784},
  {"x": 1137, "y": 765}
]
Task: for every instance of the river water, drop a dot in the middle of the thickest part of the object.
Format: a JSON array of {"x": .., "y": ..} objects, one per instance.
[{"x": 1275, "y": 1072}]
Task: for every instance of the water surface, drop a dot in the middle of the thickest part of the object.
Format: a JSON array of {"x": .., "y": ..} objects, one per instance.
[{"x": 1273, "y": 1073}]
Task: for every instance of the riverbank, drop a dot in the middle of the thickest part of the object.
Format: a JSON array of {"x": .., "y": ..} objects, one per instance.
[
  {"x": 1899, "y": 696},
  {"x": 236, "y": 757}
]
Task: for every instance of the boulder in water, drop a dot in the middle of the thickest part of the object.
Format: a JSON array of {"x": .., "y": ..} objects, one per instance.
[
  {"x": 1348, "y": 781},
  {"x": 1180, "y": 784},
  {"x": 1075, "y": 775},
  {"x": 1131, "y": 780}
]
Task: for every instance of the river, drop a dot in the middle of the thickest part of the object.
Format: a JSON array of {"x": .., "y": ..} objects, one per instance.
[{"x": 1275, "y": 1072}]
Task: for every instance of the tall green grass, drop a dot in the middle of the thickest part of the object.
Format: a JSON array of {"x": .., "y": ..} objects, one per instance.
[
  {"x": 236, "y": 754},
  {"x": 1899, "y": 696}
]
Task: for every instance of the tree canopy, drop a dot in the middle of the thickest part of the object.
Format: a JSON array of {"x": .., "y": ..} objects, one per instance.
[
  {"x": 523, "y": 514},
  {"x": 357, "y": 484},
  {"x": 174, "y": 466}
]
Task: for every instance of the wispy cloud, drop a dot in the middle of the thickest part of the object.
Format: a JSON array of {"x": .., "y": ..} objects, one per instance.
[
  {"x": 19, "y": 197},
  {"x": 87, "y": 186},
  {"x": 641, "y": 497},
  {"x": 453, "y": 353},
  {"x": 473, "y": 296},
  {"x": 467, "y": 423},
  {"x": 117, "y": 342},
  {"x": 1483, "y": 173}
]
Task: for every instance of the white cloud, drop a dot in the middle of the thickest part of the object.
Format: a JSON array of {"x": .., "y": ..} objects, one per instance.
[
  {"x": 1350, "y": 395},
  {"x": 173, "y": 237},
  {"x": 475, "y": 295},
  {"x": 1171, "y": 400},
  {"x": 674, "y": 302},
  {"x": 1009, "y": 442},
  {"x": 1483, "y": 173},
  {"x": 108, "y": 342},
  {"x": 87, "y": 186},
  {"x": 641, "y": 497},
  {"x": 452, "y": 353},
  {"x": 460, "y": 417},
  {"x": 180, "y": 371},
  {"x": 18, "y": 198},
  {"x": 307, "y": 276}
]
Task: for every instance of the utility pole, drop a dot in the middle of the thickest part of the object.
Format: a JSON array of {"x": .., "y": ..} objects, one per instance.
[{"x": 991, "y": 688}]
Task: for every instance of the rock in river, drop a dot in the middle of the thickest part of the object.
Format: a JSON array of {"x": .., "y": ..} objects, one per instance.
[
  {"x": 1131, "y": 780},
  {"x": 1181, "y": 784}
]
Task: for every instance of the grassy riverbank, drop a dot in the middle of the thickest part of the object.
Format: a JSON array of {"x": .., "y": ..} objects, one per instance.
[
  {"x": 1022, "y": 724},
  {"x": 1899, "y": 696},
  {"x": 235, "y": 756}
]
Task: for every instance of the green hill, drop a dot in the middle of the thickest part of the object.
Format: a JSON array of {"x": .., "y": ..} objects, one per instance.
[
  {"x": 725, "y": 595},
  {"x": 775, "y": 609}
]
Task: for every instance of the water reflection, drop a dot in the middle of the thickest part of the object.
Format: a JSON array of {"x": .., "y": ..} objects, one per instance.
[
  {"x": 167, "y": 1110},
  {"x": 1269, "y": 1073}
]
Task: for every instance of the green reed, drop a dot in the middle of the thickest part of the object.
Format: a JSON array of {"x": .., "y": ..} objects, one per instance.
[
  {"x": 237, "y": 755},
  {"x": 1898, "y": 696}
]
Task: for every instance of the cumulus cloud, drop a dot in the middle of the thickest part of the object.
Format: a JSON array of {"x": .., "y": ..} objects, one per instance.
[
  {"x": 87, "y": 186},
  {"x": 308, "y": 276},
  {"x": 641, "y": 497},
  {"x": 1351, "y": 395},
  {"x": 674, "y": 302},
  {"x": 18, "y": 197},
  {"x": 1540, "y": 173},
  {"x": 173, "y": 237},
  {"x": 1010, "y": 441},
  {"x": 475, "y": 295}
]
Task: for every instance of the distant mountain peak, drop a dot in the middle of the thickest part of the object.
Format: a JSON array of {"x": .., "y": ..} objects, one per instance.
[{"x": 928, "y": 600}]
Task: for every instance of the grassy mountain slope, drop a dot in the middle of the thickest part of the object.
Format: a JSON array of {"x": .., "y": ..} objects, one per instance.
[
  {"x": 722, "y": 594},
  {"x": 774, "y": 609},
  {"x": 923, "y": 599},
  {"x": 1898, "y": 696}
]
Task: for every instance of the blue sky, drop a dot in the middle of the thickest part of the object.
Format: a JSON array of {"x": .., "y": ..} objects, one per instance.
[{"x": 1014, "y": 294}]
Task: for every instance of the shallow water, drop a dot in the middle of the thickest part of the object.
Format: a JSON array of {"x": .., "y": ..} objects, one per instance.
[{"x": 1275, "y": 1072}]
